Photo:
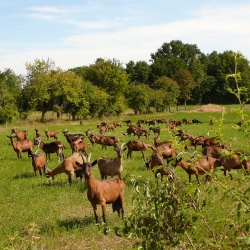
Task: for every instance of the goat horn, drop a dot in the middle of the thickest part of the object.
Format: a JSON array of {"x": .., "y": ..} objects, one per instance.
[
  {"x": 36, "y": 151},
  {"x": 182, "y": 153},
  {"x": 46, "y": 169},
  {"x": 194, "y": 153},
  {"x": 89, "y": 157},
  {"x": 123, "y": 144}
]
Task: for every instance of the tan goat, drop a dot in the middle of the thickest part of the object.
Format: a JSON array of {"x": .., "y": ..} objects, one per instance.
[
  {"x": 69, "y": 167},
  {"x": 103, "y": 191},
  {"x": 21, "y": 146},
  {"x": 112, "y": 166}
]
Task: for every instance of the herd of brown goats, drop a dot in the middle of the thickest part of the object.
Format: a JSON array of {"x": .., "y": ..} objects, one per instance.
[{"x": 163, "y": 155}]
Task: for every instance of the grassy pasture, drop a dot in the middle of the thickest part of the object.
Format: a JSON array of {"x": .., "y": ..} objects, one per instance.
[{"x": 38, "y": 214}]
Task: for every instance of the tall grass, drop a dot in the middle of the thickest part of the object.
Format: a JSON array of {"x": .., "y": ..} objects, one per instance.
[{"x": 38, "y": 214}]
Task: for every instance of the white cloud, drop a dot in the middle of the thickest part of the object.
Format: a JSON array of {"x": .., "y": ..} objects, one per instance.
[{"x": 212, "y": 29}]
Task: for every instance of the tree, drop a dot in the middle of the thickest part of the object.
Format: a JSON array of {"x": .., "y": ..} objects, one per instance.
[
  {"x": 37, "y": 91},
  {"x": 10, "y": 95},
  {"x": 139, "y": 98},
  {"x": 172, "y": 57},
  {"x": 139, "y": 72},
  {"x": 219, "y": 66},
  {"x": 186, "y": 83},
  {"x": 50, "y": 89},
  {"x": 97, "y": 99},
  {"x": 67, "y": 94},
  {"x": 166, "y": 92},
  {"x": 109, "y": 76}
]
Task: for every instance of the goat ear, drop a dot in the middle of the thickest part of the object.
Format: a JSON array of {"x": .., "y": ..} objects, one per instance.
[
  {"x": 94, "y": 163},
  {"x": 78, "y": 164}
]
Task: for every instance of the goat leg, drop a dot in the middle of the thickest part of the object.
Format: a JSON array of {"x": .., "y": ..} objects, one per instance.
[
  {"x": 104, "y": 212},
  {"x": 95, "y": 211}
]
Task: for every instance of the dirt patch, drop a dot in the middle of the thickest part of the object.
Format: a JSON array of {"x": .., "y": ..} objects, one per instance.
[{"x": 209, "y": 108}]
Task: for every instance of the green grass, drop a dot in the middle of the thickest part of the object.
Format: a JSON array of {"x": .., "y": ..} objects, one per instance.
[{"x": 38, "y": 214}]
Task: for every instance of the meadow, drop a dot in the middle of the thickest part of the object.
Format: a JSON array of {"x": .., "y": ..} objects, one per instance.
[{"x": 36, "y": 213}]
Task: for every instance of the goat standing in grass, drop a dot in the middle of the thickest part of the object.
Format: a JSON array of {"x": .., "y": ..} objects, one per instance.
[
  {"x": 197, "y": 167},
  {"x": 112, "y": 166},
  {"x": 69, "y": 167},
  {"x": 21, "y": 146},
  {"x": 38, "y": 162},
  {"x": 103, "y": 192}
]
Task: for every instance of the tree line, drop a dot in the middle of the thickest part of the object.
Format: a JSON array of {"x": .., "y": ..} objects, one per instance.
[{"x": 177, "y": 74}]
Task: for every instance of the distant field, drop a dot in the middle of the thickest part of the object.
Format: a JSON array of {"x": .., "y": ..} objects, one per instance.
[{"x": 38, "y": 214}]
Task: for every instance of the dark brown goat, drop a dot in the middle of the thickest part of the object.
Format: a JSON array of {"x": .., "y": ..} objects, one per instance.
[
  {"x": 156, "y": 130},
  {"x": 141, "y": 132},
  {"x": 103, "y": 191},
  {"x": 21, "y": 146},
  {"x": 71, "y": 137},
  {"x": 130, "y": 130},
  {"x": 52, "y": 147},
  {"x": 128, "y": 122}
]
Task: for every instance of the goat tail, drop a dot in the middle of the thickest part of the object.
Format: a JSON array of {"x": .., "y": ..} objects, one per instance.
[{"x": 117, "y": 205}]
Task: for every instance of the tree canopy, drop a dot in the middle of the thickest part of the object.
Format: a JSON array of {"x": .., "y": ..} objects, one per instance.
[{"x": 177, "y": 73}]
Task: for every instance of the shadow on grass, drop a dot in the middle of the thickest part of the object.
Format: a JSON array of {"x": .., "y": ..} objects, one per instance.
[
  {"x": 24, "y": 176},
  {"x": 72, "y": 223}
]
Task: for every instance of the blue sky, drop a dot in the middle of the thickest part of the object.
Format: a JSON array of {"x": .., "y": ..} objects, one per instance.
[{"x": 77, "y": 32}]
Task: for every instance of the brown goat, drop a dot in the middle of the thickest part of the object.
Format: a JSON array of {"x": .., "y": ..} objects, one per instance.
[
  {"x": 79, "y": 145},
  {"x": 38, "y": 162},
  {"x": 20, "y": 135},
  {"x": 103, "y": 191},
  {"x": 197, "y": 167},
  {"x": 69, "y": 167},
  {"x": 130, "y": 130},
  {"x": 215, "y": 151},
  {"x": 51, "y": 134},
  {"x": 111, "y": 127},
  {"x": 141, "y": 132},
  {"x": 38, "y": 133},
  {"x": 103, "y": 140},
  {"x": 21, "y": 146},
  {"x": 166, "y": 150},
  {"x": 232, "y": 161},
  {"x": 158, "y": 143},
  {"x": 156, "y": 160},
  {"x": 135, "y": 145},
  {"x": 118, "y": 124}
]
